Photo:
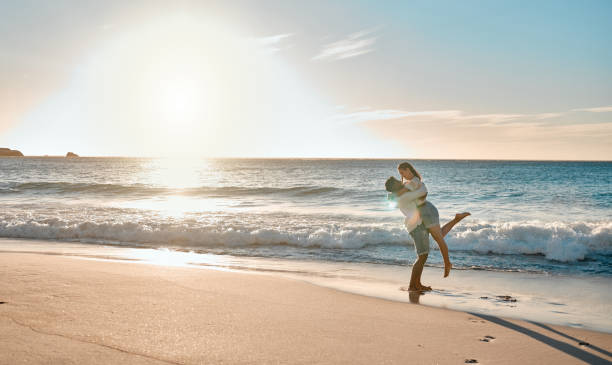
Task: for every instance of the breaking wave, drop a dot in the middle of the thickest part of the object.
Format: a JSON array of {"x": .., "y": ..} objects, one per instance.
[{"x": 557, "y": 241}]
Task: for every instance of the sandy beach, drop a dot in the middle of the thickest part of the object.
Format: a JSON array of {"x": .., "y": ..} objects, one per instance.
[
  {"x": 305, "y": 182},
  {"x": 71, "y": 310}
]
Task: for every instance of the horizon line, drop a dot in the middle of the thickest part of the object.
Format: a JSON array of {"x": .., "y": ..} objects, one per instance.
[{"x": 310, "y": 158}]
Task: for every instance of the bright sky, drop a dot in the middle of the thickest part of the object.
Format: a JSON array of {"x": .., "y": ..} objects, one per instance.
[{"x": 405, "y": 79}]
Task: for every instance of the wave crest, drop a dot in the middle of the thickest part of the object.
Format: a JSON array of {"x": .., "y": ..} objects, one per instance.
[
  {"x": 556, "y": 241},
  {"x": 202, "y": 236}
]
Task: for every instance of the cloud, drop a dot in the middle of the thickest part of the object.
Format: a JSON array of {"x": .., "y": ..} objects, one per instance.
[
  {"x": 601, "y": 109},
  {"x": 450, "y": 133},
  {"x": 476, "y": 137},
  {"x": 274, "y": 43},
  {"x": 384, "y": 114},
  {"x": 355, "y": 44},
  {"x": 449, "y": 116},
  {"x": 274, "y": 39},
  {"x": 503, "y": 119},
  {"x": 547, "y": 115}
]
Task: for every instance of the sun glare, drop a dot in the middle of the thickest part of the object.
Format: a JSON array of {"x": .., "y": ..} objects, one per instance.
[
  {"x": 187, "y": 85},
  {"x": 182, "y": 100},
  {"x": 175, "y": 173}
]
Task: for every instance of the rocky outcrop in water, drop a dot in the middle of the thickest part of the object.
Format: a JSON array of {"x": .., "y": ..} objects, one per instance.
[
  {"x": 71, "y": 154},
  {"x": 10, "y": 152}
]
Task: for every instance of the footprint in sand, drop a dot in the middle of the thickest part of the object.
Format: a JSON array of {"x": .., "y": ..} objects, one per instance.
[
  {"x": 474, "y": 320},
  {"x": 471, "y": 361},
  {"x": 487, "y": 338}
]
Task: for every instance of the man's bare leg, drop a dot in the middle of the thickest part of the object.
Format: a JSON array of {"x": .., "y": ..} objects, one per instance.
[
  {"x": 436, "y": 233},
  {"x": 448, "y": 226},
  {"x": 424, "y": 287},
  {"x": 417, "y": 270}
]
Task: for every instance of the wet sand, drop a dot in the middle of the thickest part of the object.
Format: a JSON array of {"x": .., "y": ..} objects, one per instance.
[{"x": 59, "y": 309}]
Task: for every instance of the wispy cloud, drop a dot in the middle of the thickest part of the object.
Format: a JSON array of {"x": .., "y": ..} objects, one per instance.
[
  {"x": 547, "y": 115},
  {"x": 355, "y": 44},
  {"x": 601, "y": 109},
  {"x": 501, "y": 118},
  {"x": 457, "y": 116},
  {"x": 457, "y": 134},
  {"x": 454, "y": 116},
  {"x": 384, "y": 114},
  {"x": 274, "y": 43},
  {"x": 450, "y": 116}
]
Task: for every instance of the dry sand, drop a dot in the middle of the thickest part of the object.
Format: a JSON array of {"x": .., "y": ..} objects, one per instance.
[{"x": 68, "y": 310}]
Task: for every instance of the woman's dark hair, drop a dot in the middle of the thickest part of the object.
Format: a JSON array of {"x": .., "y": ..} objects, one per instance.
[
  {"x": 407, "y": 165},
  {"x": 392, "y": 184}
]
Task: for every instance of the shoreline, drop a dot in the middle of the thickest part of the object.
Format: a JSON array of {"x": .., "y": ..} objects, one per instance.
[
  {"x": 570, "y": 301},
  {"x": 144, "y": 313}
]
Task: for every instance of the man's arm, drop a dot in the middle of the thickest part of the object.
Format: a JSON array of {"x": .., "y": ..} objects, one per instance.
[
  {"x": 401, "y": 191},
  {"x": 412, "y": 195},
  {"x": 414, "y": 184}
]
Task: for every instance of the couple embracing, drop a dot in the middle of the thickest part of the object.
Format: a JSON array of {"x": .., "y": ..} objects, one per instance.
[{"x": 422, "y": 219}]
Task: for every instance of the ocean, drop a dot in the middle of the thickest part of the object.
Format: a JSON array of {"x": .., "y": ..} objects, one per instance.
[{"x": 549, "y": 220}]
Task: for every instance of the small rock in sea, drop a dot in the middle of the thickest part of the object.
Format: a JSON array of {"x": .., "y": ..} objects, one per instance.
[
  {"x": 484, "y": 297},
  {"x": 506, "y": 298},
  {"x": 71, "y": 154}
]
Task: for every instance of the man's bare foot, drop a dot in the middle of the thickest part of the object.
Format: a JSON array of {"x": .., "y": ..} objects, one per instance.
[
  {"x": 424, "y": 287},
  {"x": 460, "y": 216},
  {"x": 447, "y": 269}
]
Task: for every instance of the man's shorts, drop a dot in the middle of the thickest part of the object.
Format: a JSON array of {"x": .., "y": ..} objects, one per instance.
[
  {"x": 429, "y": 215},
  {"x": 420, "y": 235}
]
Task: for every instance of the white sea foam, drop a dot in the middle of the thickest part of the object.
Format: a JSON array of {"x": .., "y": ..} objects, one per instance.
[{"x": 556, "y": 241}]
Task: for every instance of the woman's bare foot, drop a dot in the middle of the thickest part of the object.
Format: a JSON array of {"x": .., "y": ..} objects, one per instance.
[
  {"x": 447, "y": 268},
  {"x": 460, "y": 216}
]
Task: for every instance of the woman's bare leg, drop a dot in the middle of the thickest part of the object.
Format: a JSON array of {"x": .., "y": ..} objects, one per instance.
[
  {"x": 436, "y": 233},
  {"x": 448, "y": 226}
]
